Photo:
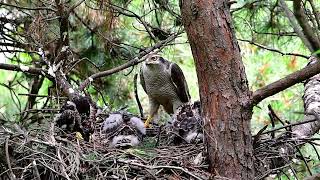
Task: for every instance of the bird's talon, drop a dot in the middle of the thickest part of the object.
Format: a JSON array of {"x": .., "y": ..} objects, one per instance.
[
  {"x": 147, "y": 125},
  {"x": 79, "y": 136}
]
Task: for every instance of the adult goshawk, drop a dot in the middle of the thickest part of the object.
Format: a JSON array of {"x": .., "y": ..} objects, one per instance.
[{"x": 165, "y": 85}]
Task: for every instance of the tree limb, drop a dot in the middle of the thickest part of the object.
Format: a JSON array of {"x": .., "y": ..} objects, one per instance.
[
  {"x": 274, "y": 50},
  {"x": 286, "y": 82},
  {"x": 294, "y": 24},
  {"x": 27, "y": 8},
  {"x": 303, "y": 21},
  {"x": 311, "y": 99},
  {"x": 140, "y": 57},
  {"x": 26, "y": 69},
  {"x": 316, "y": 13}
]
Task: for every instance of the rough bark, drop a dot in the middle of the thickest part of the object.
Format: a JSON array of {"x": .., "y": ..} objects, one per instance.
[
  {"x": 223, "y": 86},
  {"x": 311, "y": 100}
]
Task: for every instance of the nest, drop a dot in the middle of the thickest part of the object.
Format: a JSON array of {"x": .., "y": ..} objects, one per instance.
[{"x": 41, "y": 153}]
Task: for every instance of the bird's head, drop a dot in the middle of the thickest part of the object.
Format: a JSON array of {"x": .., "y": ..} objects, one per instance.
[{"x": 153, "y": 59}]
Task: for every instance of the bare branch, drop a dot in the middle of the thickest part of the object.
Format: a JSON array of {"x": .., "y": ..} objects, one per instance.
[
  {"x": 273, "y": 50},
  {"x": 303, "y": 21},
  {"x": 27, "y": 8},
  {"x": 295, "y": 26},
  {"x": 130, "y": 63},
  {"x": 305, "y": 121},
  {"x": 66, "y": 86},
  {"x": 26, "y": 69},
  {"x": 286, "y": 82},
  {"x": 315, "y": 12}
]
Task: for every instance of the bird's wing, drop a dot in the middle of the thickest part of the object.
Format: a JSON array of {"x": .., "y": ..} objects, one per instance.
[
  {"x": 179, "y": 82},
  {"x": 142, "y": 82}
]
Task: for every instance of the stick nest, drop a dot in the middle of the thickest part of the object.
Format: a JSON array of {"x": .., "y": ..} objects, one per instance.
[{"x": 41, "y": 154}]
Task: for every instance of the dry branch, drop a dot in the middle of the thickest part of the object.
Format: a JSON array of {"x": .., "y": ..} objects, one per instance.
[
  {"x": 26, "y": 69},
  {"x": 286, "y": 82},
  {"x": 140, "y": 57},
  {"x": 295, "y": 26},
  {"x": 274, "y": 50},
  {"x": 302, "y": 18}
]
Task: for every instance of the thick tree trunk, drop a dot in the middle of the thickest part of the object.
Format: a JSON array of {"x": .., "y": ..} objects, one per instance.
[{"x": 224, "y": 91}]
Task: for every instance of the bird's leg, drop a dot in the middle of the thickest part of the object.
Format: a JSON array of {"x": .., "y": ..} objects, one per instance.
[
  {"x": 79, "y": 135},
  {"x": 147, "y": 123},
  {"x": 154, "y": 106}
]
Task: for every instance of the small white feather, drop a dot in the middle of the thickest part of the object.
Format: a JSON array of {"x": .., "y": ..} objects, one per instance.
[{"x": 191, "y": 136}]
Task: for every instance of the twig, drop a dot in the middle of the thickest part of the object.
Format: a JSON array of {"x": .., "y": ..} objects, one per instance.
[
  {"x": 274, "y": 50},
  {"x": 160, "y": 167},
  {"x": 304, "y": 160},
  {"x": 36, "y": 169},
  {"x": 26, "y": 69},
  {"x": 257, "y": 136},
  {"x": 275, "y": 115},
  {"x": 12, "y": 176},
  {"x": 293, "y": 171},
  {"x": 158, "y": 135},
  {"x": 270, "y": 171},
  {"x": 315, "y": 149},
  {"x": 137, "y": 96},
  {"x": 289, "y": 125}
]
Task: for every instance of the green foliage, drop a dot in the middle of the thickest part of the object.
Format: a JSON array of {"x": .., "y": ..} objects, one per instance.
[
  {"x": 11, "y": 103},
  {"x": 140, "y": 152}
]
